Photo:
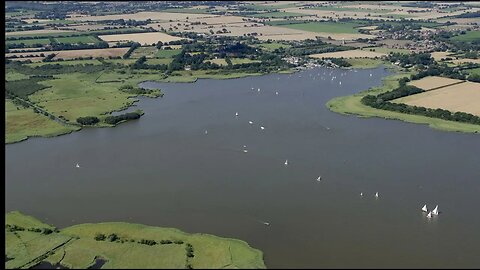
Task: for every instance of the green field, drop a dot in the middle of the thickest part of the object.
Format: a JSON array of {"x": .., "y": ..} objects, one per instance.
[
  {"x": 76, "y": 246},
  {"x": 187, "y": 10},
  {"x": 327, "y": 27},
  {"x": 387, "y": 50},
  {"x": 468, "y": 37},
  {"x": 73, "y": 40},
  {"x": 276, "y": 15},
  {"x": 76, "y": 95},
  {"x": 30, "y": 42},
  {"x": 364, "y": 62},
  {"x": 21, "y": 123},
  {"x": 235, "y": 61},
  {"x": 53, "y": 34},
  {"x": 273, "y": 46},
  {"x": 167, "y": 53},
  {"x": 340, "y": 9},
  {"x": 67, "y": 63},
  {"x": 155, "y": 61},
  {"x": 12, "y": 75},
  {"x": 474, "y": 71},
  {"x": 349, "y": 105}
]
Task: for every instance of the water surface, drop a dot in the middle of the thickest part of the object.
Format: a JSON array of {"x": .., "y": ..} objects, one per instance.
[{"x": 163, "y": 170}]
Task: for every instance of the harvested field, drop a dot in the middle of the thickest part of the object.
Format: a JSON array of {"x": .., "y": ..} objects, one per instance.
[
  {"x": 433, "y": 82},
  {"x": 462, "y": 97},
  {"x": 349, "y": 54},
  {"x": 438, "y": 56},
  {"x": 155, "y": 16},
  {"x": 142, "y": 38},
  {"x": 465, "y": 60}
]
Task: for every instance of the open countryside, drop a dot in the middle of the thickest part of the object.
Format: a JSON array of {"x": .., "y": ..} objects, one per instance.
[{"x": 242, "y": 134}]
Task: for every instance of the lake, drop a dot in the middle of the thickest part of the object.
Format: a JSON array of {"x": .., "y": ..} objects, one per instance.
[{"x": 163, "y": 170}]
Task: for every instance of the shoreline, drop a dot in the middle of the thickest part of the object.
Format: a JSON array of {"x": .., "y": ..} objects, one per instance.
[{"x": 351, "y": 105}]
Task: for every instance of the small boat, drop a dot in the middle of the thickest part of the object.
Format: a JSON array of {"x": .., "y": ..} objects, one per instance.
[
  {"x": 250, "y": 122},
  {"x": 78, "y": 166},
  {"x": 435, "y": 211},
  {"x": 429, "y": 215},
  {"x": 236, "y": 114},
  {"x": 276, "y": 93},
  {"x": 266, "y": 223},
  {"x": 319, "y": 178},
  {"x": 370, "y": 74},
  {"x": 258, "y": 90},
  {"x": 262, "y": 128},
  {"x": 376, "y": 195},
  {"x": 424, "y": 208},
  {"x": 286, "y": 162},
  {"x": 361, "y": 194},
  {"x": 206, "y": 131},
  {"x": 340, "y": 83},
  {"x": 245, "y": 151}
]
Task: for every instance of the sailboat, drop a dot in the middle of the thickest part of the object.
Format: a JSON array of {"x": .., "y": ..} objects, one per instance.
[
  {"x": 424, "y": 208},
  {"x": 250, "y": 122},
  {"x": 429, "y": 214},
  {"x": 206, "y": 131},
  {"x": 435, "y": 211},
  {"x": 376, "y": 195},
  {"x": 276, "y": 93},
  {"x": 78, "y": 166},
  {"x": 361, "y": 194},
  {"x": 286, "y": 162},
  {"x": 319, "y": 178},
  {"x": 236, "y": 114},
  {"x": 258, "y": 90},
  {"x": 266, "y": 223},
  {"x": 340, "y": 83},
  {"x": 262, "y": 128}
]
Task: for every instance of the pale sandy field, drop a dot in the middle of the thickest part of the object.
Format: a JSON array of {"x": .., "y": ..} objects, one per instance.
[
  {"x": 33, "y": 59},
  {"x": 439, "y": 55},
  {"x": 465, "y": 60},
  {"x": 433, "y": 82},
  {"x": 142, "y": 38},
  {"x": 161, "y": 16},
  {"x": 349, "y": 54},
  {"x": 463, "y": 97}
]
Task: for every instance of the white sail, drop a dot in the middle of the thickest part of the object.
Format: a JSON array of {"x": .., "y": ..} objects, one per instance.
[
  {"x": 376, "y": 195},
  {"x": 78, "y": 166},
  {"x": 429, "y": 214},
  {"x": 206, "y": 131},
  {"x": 250, "y": 122},
  {"x": 424, "y": 208},
  {"x": 276, "y": 93},
  {"x": 361, "y": 193},
  {"x": 262, "y": 128},
  {"x": 286, "y": 162},
  {"x": 236, "y": 114},
  {"x": 319, "y": 178},
  {"x": 435, "y": 211}
]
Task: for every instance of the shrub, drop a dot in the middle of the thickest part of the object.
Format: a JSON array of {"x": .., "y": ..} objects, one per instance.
[
  {"x": 100, "y": 237},
  {"x": 88, "y": 120}
]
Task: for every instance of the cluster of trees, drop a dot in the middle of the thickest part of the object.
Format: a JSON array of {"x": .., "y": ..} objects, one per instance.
[
  {"x": 78, "y": 46},
  {"x": 136, "y": 90},
  {"x": 189, "y": 250},
  {"x": 88, "y": 120},
  {"x": 408, "y": 60},
  {"x": 134, "y": 46},
  {"x": 439, "y": 70},
  {"x": 382, "y": 102},
  {"x": 115, "y": 119},
  {"x": 147, "y": 242},
  {"x": 128, "y": 22}
]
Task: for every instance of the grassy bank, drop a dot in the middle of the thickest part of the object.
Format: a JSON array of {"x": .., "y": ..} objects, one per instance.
[
  {"x": 22, "y": 123},
  {"x": 352, "y": 105},
  {"x": 78, "y": 246}
]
